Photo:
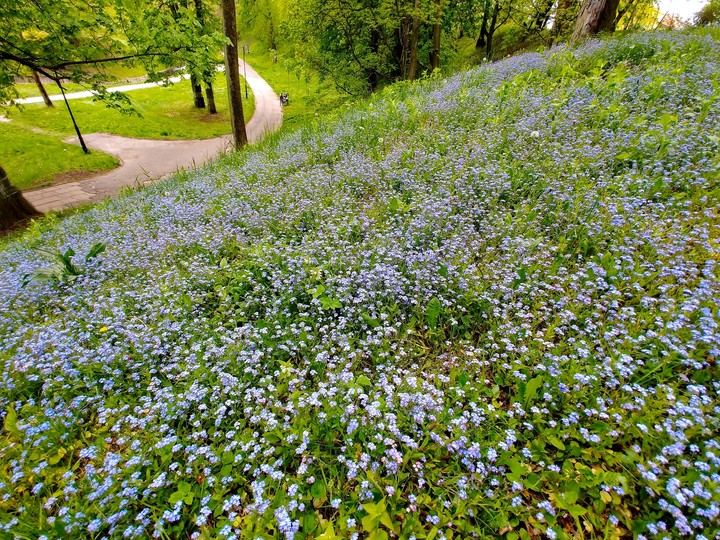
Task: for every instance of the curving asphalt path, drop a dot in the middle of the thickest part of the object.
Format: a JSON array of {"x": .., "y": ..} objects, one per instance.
[{"x": 144, "y": 160}]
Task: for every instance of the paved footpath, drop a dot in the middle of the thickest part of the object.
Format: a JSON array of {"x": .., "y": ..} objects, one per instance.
[{"x": 144, "y": 160}]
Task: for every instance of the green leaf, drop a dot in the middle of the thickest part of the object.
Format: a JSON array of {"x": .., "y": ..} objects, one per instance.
[
  {"x": 375, "y": 509},
  {"x": 10, "y": 423},
  {"x": 394, "y": 205},
  {"x": 183, "y": 493},
  {"x": 463, "y": 378},
  {"x": 522, "y": 277},
  {"x": 372, "y": 323},
  {"x": 318, "y": 490},
  {"x": 176, "y": 497},
  {"x": 432, "y": 312},
  {"x": 518, "y": 470},
  {"x": 95, "y": 250},
  {"x": 532, "y": 387},
  {"x": 370, "y": 523},
  {"x": 666, "y": 120},
  {"x": 329, "y": 534},
  {"x": 362, "y": 380},
  {"x": 576, "y": 510},
  {"x": 556, "y": 442},
  {"x": 386, "y": 520},
  {"x": 443, "y": 270},
  {"x": 327, "y": 302},
  {"x": 378, "y": 534},
  {"x": 309, "y": 522},
  {"x": 57, "y": 456},
  {"x": 317, "y": 291},
  {"x": 572, "y": 492}
]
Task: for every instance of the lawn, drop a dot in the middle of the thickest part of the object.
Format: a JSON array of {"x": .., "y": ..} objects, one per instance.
[
  {"x": 34, "y": 159},
  {"x": 484, "y": 306},
  {"x": 26, "y": 90},
  {"x": 37, "y": 158},
  {"x": 162, "y": 113},
  {"x": 310, "y": 97}
]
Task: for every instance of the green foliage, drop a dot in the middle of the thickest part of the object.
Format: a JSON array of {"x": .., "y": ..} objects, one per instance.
[
  {"x": 709, "y": 14},
  {"x": 475, "y": 307},
  {"x": 64, "y": 270},
  {"x": 312, "y": 98},
  {"x": 65, "y": 40}
]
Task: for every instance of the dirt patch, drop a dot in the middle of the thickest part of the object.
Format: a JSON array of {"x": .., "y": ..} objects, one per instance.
[{"x": 212, "y": 119}]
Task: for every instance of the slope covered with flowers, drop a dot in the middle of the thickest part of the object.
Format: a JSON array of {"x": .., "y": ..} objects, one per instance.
[{"x": 480, "y": 306}]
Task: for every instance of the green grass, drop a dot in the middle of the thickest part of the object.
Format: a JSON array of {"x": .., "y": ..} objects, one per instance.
[
  {"x": 120, "y": 71},
  {"x": 310, "y": 97},
  {"x": 34, "y": 159},
  {"x": 26, "y": 90},
  {"x": 117, "y": 74},
  {"x": 165, "y": 113}
]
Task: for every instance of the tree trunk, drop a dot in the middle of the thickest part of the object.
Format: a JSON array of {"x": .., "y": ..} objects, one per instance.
[
  {"x": 197, "y": 92},
  {"x": 41, "y": 87},
  {"x": 414, "y": 41},
  {"x": 72, "y": 117},
  {"x": 374, "y": 47},
  {"x": 436, "y": 35},
  {"x": 482, "y": 40},
  {"x": 273, "y": 42},
  {"x": 491, "y": 31},
  {"x": 14, "y": 208},
  {"x": 404, "y": 32},
  {"x": 232, "y": 73},
  {"x": 594, "y": 16},
  {"x": 198, "y": 100},
  {"x": 212, "y": 109}
]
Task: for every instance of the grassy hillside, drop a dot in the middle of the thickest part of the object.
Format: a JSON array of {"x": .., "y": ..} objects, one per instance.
[{"x": 485, "y": 306}]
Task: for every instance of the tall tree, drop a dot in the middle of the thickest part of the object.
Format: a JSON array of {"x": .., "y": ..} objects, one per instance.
[
  {"x": 436, "y": 35},
  {"x": 209, "y": 68},
  {"x": 595, "y": 16},
  {"x": 232, "y": 74},
  {"x": 414, "y": 37}
]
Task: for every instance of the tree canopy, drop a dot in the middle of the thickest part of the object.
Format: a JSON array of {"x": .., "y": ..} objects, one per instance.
[{"x": 69, "y": 40}]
